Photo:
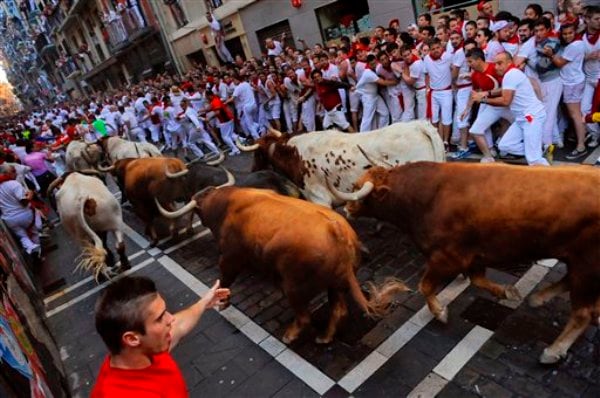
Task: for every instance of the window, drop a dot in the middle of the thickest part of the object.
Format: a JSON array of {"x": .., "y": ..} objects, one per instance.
[
  {"x": 343, "y": 19},
  {"x": 176, "y": 12},
  {"x": 437, "y": 6},
  {"x": 212, "y": 4}
]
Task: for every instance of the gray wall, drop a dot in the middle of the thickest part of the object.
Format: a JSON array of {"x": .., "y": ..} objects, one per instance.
[
  {"x": 516, "y": 7},
  {"x": 382, "y": 12},
  {"x": 303, "y": 20}
]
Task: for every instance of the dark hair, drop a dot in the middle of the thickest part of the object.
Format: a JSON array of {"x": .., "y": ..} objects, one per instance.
[
  {"x": 392, "y": 31},
  {"x": 381, "y": 54},
  {"x": 371, "y": 58},
  {"x": 503, "y": 16},
  {"x": 122, "y": 308},
  {"x": 591, "y": 10},
  {"x": 536, "y": 8},
  {"x": 470, "y": 41},
  {"x": 405, "y": 47},
  {"x": 545, "y": 22},
  {"x": 429, "y": 29},
  {"x": 472, "y": 23},
  {"x": 316, "y": 71},
  {"x": 566, "y": 26},
  {"x": 391, "y": 47},
  {"x": 487, "y": 33},
  {"x": 458, "y": 13},
  {"x": 527, "y": 21},
  {"x": 426, "y": 16},
  {"x": 407, "y": 39},
  {"x": 476, "y": 53}
]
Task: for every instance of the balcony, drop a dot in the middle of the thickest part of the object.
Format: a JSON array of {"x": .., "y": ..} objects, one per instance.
[
  {"x": 69, "y": 68},
  {"x": 55, "y": 19},
  {"x": 124, "y": 27}
]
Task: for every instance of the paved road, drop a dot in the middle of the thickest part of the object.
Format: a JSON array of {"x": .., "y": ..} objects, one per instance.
[{"x": 488, "y": 348}]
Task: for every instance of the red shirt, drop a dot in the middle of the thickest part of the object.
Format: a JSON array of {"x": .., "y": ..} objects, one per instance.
[
  {"x": 487, "y": 80},
  {"x": 161, "y": 379},
  {"x": 222, "y": 111},
  {"x": 328, "y": 94}
]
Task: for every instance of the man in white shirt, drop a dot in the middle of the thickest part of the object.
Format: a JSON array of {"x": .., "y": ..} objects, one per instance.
[
  {"x": 219, "y": 37},
  {"x": 245, "y": 105},
  {"x": 393, "y": 93},
  {"x": 524, "y": 136},
  {"x": 196, "y": 131},
  {"x": 591, "y": 67},
  {"x": 461, "y": 78},
  {"x": 290, "y": 103},
  {"x": 438, "y": 66},
  {"x": 373, "y": 105},
  {"x": 274, "y": 47},
  {"x": 413, "y": 75}
]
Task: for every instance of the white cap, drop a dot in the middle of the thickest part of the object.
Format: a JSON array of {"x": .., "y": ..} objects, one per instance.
[{"x": 496, "y": 26}]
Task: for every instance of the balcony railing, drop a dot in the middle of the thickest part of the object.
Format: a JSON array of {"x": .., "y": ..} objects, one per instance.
[
  {"x": 121, "y": 26},
  {"x": 69, "y": 67},
  {"x": 56, "y": 18}
]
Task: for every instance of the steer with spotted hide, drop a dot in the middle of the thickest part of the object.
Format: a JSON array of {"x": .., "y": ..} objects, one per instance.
[{"x": 310, "y": 159}]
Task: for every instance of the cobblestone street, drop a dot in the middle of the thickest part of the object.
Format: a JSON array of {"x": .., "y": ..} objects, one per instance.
[{"x": 488, "y": 348}]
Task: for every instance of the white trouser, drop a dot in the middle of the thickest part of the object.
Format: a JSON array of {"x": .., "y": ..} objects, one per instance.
[
  {"x": 155, "y": 132},
  {"x": 586, "y": 104},
  {"x": 394, "y": 106},
  {"x": 344, "y": 97},
  {"x": 461, "y": 98},
  {"x": 247, "y": 121},
  {"x": 308, "y": 113},
  {"x": 487, "y": 116},
  {"x": 176, "y": 137},
  {"x": 408, "y": 97},
  {"x": 552, "y": 91},
  {"x": 336, "y": 117},
  {"x": 421, "y": 97},
  {"x": 228, "y": 135},
  {"x": 224, "y": 53},
  {"x": 290, "y": 112},
  {"x": 20, "y": 226},
  {"x": 374, "y": 106},
  {"x": 441, "y": 102},
  {"x": 200, "y": 135},
  {"x": 355, "y": 100},
  {"x": 137, "y": 133},
  {"x": 525, "y": 138},
  {"x": 263, "y": 119}
]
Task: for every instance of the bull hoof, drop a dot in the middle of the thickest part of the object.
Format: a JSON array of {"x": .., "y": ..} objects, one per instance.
[
  {"x": 511, "y": 293},
  {"x": 289, "y": 337},
  {"x": 323, "y": 340},
  {"x": 536, "y": 301},
  {"x": 548, "y": 357},
  {"x": 442, "y": 316}
]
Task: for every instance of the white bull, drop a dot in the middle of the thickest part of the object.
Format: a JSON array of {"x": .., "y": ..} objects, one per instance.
[
  {"x": 309, "y": 160},
  {"x": 88, "y": 211},
  {"x": 117, "y": 148},
  {"x": 81, "y": 155}
]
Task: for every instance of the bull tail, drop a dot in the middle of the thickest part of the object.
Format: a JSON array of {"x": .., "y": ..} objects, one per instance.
[
  {"x": 439, "y": 153},
  {"x": 380, "y": 298},
  {"x": 93, "y": 256}
]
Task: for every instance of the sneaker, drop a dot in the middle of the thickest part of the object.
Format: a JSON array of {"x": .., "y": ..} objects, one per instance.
[
  {"x": 560, "y": 143},
  {"x": 487, "y": 160},
  {"x": 509, "y": 156},
  {"x": 593, "y": 143},
  {"x": 234, "y": 153},
  {"x": 461, "y": 153},
  {"x": 576, "y": 154},
  {"x": 493, "y": 152}
]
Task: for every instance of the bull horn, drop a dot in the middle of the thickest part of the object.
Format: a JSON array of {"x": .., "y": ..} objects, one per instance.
[
  {"x": 53, "y": 185},
  {"x": 217, "y": 161},
  {"x": 230, "y": 178},
  {"x": 176, "y": 174},
  {"x": 106, "y": 169},
  {"x": 245, "y": 148},
  {"x": 177, "y": 213},
  {"x": 382, "y": 162},
  {"x": 351, "y": 196},
  {"x": 275, "y": 132}
]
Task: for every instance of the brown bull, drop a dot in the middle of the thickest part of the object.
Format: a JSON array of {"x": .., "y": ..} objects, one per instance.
[
  {"x": 307, "y": 247},
  {"x": 147, "y": 178},
  {"x": 465, "y": 217}
]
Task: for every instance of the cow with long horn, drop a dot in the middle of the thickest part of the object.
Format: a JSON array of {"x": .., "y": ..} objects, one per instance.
[
  {"x": 309, "y": 160},
  {"x": 465, "y": 217},
  {"x": 81, "y": 155},
  {"x": 88, "y": 211},
  {"x": 147, "y": 178},
  {"x": 308, "y": 248}
]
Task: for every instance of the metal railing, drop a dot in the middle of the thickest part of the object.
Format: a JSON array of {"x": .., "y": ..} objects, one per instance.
[{"x": 121, "y": 26}]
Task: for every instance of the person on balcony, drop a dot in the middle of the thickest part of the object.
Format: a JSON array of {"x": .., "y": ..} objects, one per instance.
[{"x": 176, "y": 12}]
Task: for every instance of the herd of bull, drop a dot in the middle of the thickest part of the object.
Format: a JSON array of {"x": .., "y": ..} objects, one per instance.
[{"x": 464, "y": 217}]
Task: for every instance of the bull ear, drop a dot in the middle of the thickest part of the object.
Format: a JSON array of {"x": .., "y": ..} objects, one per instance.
[{"x": 380, "y": 192}]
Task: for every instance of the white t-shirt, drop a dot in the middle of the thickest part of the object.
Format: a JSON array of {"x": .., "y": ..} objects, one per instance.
[
  {"x": 417, "y": 71},
  {"x": 528, "y": 52},
  {"x": 359, "y": 69},
  {"x": 276, "y": 50},
  {"x": 293, "y": 88},
  {"x": 170, "y": 117},
  {"x": 524, "y": 100},
  {"x": 572, "y": 72},
  {"x": 197, "y": 100},
  {"x": 493, "y": 48},
  {"x": 331, "y": 73},
  {"x": 460, "y": 61},
  {"x": 511, "y": 48},
  {"x": 11, "y": 192},
  {"x": 440, "y": 75},
  {"x": 366, "y": 85},
  {"x": 243, "y": 96},
  {"x": 591, "y": 67}
]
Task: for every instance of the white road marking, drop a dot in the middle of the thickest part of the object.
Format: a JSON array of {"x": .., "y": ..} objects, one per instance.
[
  {"x": 452, "y": 363},
  {"x": 365, "y": 369},
  {"x": 304, "y": 370},
  {"x": 135, "y": 236},
  {"x": 181, "y": 231},
  {"x": 82, "y": 282},
  {"x": 526, "y": 284},
  {"x": 87, "y": 294}
]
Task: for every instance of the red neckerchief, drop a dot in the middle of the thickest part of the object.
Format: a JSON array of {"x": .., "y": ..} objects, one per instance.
[
  {"x": 413, "y": 59},
  {"x": 511, "y": 66},
  {"x": 327, "y": 68},
  {"x": 513, "y": 40},
  {"x": 592, "y": 39},
  {"x": 484, "y": 47},
  {"x": 435, "y": 59}
]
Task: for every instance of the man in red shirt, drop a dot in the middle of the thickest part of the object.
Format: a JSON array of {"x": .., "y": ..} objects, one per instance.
[
  {"x": 484, "y": 78},
  {"x": 225, "y": 120},
  {"x": 133, "y": 321},
  {"x": 329, "y": 97}
]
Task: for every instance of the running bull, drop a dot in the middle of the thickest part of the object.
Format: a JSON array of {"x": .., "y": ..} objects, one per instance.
[
  {"x": 465, "y": 217},
  {"x": 88, "y": 211},
  {"x": 309, "y": 160},
  {"x": 308, "y": 248}
]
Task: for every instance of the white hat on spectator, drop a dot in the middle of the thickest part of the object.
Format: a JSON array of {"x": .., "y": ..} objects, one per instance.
[{"x": 496, "y": 26}]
